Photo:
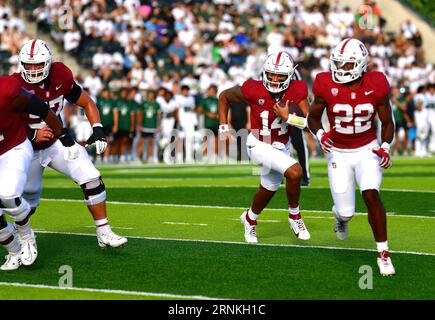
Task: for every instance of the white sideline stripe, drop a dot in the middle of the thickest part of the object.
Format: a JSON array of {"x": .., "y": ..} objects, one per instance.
[
  {"x": 186, "y": 223},
  {"x": 134, "y": 293},
  {"x": 242, "y": 243},
  {"x": 222, "y": 207}
]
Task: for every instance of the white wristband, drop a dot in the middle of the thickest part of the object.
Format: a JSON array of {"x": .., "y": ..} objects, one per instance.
[
  {"x": 319, "y": 134},
  {"x": 223, "y": 128},
  {"x": 299, "y": 122},
  {"x": 97, "y": 125},
  {"x": 386, "y": 146}
]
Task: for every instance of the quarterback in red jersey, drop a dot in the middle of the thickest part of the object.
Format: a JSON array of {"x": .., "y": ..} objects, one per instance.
[
  {"x": 53, "y": 82},
  {"x": 352, "y": 97},
  {"x": 268, "y": 144},
  {"x": 15, "y": 158}
]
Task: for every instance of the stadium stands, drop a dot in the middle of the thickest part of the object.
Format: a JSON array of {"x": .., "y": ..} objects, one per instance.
[{"x": 151, "y": 44}]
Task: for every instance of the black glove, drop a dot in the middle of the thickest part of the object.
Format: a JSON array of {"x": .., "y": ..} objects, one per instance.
[
  {"x": 65, "y": 138},
  {"x": 98, "y": 138}
]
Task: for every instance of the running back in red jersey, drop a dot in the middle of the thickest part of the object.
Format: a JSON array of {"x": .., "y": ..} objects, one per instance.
[
  {"x": 266, "y": 126},
  {"x": 351, "y": 112},
  {"x": 52, "y": 90}
]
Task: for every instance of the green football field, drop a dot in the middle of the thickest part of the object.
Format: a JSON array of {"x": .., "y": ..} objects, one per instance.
[{"x": 186, "y": 240}]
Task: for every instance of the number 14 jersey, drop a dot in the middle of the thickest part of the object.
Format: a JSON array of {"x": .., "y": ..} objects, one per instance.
[
  {"x": 266, "y": 126},
  {"x": 352, "y": 111}
]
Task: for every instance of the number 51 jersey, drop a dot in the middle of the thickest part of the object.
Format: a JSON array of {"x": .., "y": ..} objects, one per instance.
[{"x": 352, "y": 111}]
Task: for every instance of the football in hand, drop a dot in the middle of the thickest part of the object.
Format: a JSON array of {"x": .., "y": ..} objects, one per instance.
[{"x": 293, "y": 108}]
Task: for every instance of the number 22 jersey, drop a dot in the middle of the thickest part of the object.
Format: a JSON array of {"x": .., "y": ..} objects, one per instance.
[{"x": 352, "y": 111}]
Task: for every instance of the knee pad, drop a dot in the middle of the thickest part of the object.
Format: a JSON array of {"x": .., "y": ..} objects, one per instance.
[
  {"x": 345, "y": 214},
  {"x": 94, "y": 191},
  {"x": 17, "y": 208}
]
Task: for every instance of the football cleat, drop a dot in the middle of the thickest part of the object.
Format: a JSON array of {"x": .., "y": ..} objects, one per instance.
[
  {"x": 299, "y": 228},
  {"x": 110, "y": 239},
  {"x": 250, "y": 229},
  {"x": 29, "y": 250},
  {"x": 13, "y": 262},
  {"x": 341, "y": 229},
  {"x": 385, "y": 265}
]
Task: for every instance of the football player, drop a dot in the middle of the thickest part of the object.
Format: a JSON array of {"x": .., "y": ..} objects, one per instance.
[
  {"x": 352, "y": 98},
  {"x": 268, "y": 143},
  {"x": 53, "y": 82},
  {"x": 15, "y": 157}
]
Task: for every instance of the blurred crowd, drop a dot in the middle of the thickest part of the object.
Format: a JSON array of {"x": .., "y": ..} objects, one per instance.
[{"x": 160, "y": 65}]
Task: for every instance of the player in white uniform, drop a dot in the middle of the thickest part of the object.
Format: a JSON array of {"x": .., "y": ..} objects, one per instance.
[{"x": 188, "y": 119}]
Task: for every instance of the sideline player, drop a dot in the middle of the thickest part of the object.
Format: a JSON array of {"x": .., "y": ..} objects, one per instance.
[
  {"x": 15, "y": 157},
  {"x": 53, "y": 82},
  {"x": 268, "y": 143},
  {"x": 352, "y": 97}
]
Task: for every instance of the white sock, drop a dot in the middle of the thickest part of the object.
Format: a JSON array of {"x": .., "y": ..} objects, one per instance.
[
  {"x": 25, "y": 231},
  {"x": 14, "y": 246},
  {"x": 102, "y": 225},
  {"x": 252, "y": 215},
  {"x": 293, "y": 211},
  {"x": 382, "y": 246}
]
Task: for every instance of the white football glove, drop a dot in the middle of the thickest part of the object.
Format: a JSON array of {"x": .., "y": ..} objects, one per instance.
[{"x": 98, "y": 139}]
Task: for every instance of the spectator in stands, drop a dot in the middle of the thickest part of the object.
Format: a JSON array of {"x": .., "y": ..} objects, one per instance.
[{"x": 71, "y": 40}]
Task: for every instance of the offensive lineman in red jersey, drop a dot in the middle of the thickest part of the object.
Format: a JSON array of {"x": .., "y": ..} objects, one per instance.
[
  {"x": 54, "y": 82},
  {"x": 15, "y": 158},
  {"x": 269, "y": 141},
  {"x": 352, "y": 97}
]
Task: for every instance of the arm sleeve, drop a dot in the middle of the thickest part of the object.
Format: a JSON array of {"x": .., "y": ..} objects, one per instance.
[
  {"x": 37, "y": 107},
  {"x": 74, "y": 94}
]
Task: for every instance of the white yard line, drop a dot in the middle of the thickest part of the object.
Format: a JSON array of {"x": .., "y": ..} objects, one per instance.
[
  {"x": 223, "y": 186},
  {"x": 242, "y": 243},
  {"x": 394, "y": 214},
  {"x": 124, "y": 292},
  {"x": 121, "y": 228},
  {"x": 186, "y": 223}
]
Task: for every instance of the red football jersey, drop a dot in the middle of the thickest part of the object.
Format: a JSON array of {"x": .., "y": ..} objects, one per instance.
[
  {"x": 53, "y": 89},
  {"x": 352, "y": 112},
  {"x": 266, "y": 126},
  {"x": 12, "y": 127}
]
